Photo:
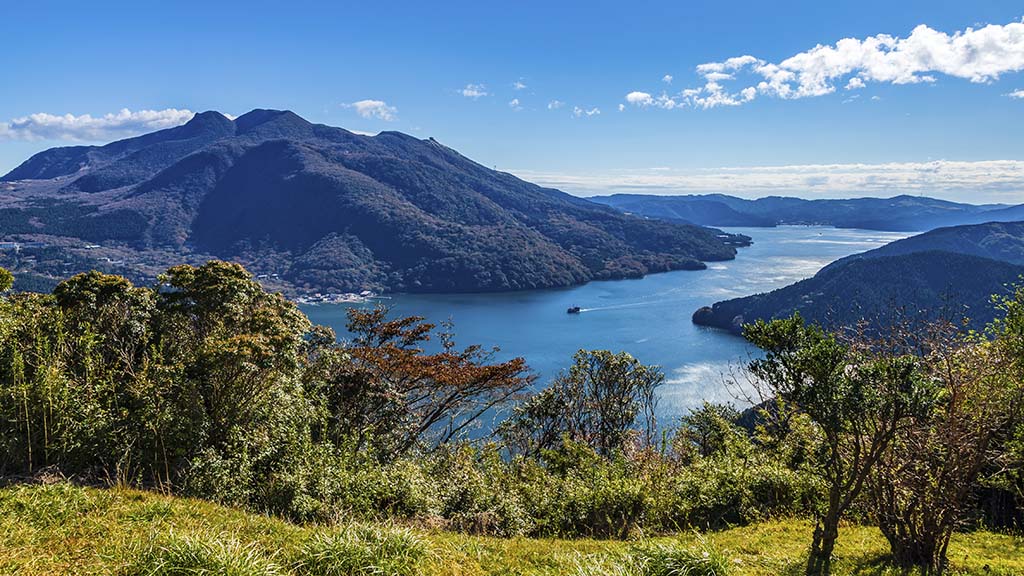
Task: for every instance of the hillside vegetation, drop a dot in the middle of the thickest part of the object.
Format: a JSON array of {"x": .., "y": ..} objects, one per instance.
[
  {"x": 899, "y": 213},
  {"x": 319, "y": 208},
  {"x": 207, "y": 386},
  {"x": 60, "y": 529},
  {"x": 947, "y": 273}
]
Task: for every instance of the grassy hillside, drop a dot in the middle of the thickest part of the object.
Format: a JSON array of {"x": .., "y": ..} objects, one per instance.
[{"x": 61, "y": 529}]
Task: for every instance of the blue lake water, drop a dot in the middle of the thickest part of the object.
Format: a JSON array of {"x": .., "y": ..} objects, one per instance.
[{"x": 649, "y": 317}]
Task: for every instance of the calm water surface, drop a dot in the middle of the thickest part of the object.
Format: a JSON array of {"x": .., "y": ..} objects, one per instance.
[{"x": 649, "y": 317}]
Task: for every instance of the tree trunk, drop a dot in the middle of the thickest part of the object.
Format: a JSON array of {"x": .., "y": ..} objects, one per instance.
[
  {"x": 925, "y": 551},
  {"x": 826, "y": 532}
]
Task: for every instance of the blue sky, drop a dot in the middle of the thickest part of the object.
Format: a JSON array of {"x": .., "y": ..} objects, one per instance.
[{"x": 510, "y": 85}]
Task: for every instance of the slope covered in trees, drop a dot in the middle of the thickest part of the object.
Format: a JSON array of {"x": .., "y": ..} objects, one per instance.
[
  {"x": 899, "y": 213},
  {"x": 329, "y": 210},
  {"x": 211, "y": 387},
  {"x": 950, "y": 273}
]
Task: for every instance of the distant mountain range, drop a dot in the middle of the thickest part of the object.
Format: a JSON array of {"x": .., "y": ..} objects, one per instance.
[
  {"x": 317, "y": 208},
  {"x": 900, "y": 213},
  {"x": 950, "y": 273}
]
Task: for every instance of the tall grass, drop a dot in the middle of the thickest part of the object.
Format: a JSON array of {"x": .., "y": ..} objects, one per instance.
[
  {"x": 197, "y": 556},
  {"x": 667, "y": 560},
  {"x": 362, "y": 550}
]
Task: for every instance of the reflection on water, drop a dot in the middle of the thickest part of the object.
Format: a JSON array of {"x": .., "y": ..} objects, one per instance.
[{"x": 649, "y": 317}]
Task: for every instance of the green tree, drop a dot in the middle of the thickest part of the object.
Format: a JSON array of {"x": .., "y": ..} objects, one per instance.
[
  {"x": 858, "y": 397},
  {"x": 236, "y": 346},
  {"x": 707, "y": 430},
  {"x": 599, "y": 402},
  {"x": 6, "y": 280}
]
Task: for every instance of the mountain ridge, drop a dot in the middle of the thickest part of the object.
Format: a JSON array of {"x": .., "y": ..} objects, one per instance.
[
  {"x": 901, "y": 213},
  {"x": 324, "y": 209},
  {"x": 949, "y": 272}
]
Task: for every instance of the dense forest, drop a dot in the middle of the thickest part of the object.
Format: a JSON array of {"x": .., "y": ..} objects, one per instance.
[
  {"x": 947, "y": 273},
  {"x": 207, "y": 385},
  {"x": 322, "y": 209}
]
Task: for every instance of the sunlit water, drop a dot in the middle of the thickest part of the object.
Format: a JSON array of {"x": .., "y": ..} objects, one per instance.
[{"x": 649, "y": 317}]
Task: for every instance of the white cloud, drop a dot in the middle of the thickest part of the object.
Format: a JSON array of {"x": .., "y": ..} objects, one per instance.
[
  {"x": 1017, "y": 94},
  {"x": 639, "y": 98},
  {"x": 578, "y": 112},
  {"x": 518, "y": 85},
  {"x": 44, "y": 126},
  {"x": 474, "y": 91},
  {"x": 667, "y": 78},
  {"x": 980, "y": 181},
  {"x": 374, "y": 109},
  {"x": 514, "y": 104},
  {"x": 979, "y": 55},
  {"x": 555, "y": 104},
  {"x": 621, "y": 107}
]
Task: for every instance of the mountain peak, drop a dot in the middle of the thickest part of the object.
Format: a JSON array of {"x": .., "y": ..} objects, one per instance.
[
  {"x": 260, "y": 117},
  {"x": 209, "y": 121}
]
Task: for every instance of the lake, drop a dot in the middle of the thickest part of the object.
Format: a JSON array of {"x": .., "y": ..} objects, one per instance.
[{"x": 648, "y": 317}]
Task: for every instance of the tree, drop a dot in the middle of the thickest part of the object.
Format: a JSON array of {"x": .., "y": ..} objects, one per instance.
[
  {"x": 922, "y": 487},
  {"x": 384, "y": 388},
  {"x": 6, "y": 280},
  {"x": 707, "y": 430},
  {"x": 235, "y": 344},
  {"x": 858, "y": 397},
  {"x": 600, "y": 402}
]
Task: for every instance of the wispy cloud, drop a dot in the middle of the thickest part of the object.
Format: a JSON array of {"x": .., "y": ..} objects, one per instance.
[
  {"x": 555, "y": 104},
  {"x": 980, "y": 181},
  {"x": 88, "y": 128},
  {"x": 578, "y": 112},
  {"x": 979, "y": 55},
  {"x": 374, "y": 109},
  {"x": 474, "y": 91},
  {"x": 1017, "y": 94},
  {"x": 519, "y": 85},
  {"x": 514, "y": 104},
  {"x": 667, "y": 78}
]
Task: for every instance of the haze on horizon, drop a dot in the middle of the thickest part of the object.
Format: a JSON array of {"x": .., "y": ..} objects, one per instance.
[{"x": 807, "y": 99}]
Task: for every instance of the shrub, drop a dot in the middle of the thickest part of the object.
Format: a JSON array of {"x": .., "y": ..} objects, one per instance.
[{"x": 479, "y": 493}]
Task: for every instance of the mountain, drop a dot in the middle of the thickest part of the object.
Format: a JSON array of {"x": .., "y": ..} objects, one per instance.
[
  {"x": 948, "y": 272},
  {"x": 318, "y": 208},
  {"x": 900, "y": 213}
]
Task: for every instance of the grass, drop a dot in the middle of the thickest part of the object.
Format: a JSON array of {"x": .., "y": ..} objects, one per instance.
[{"x": 62, "y": 529}]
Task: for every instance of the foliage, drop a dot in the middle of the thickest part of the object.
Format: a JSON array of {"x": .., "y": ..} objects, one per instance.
[
  {"x": 207, "y": 385},
  {"x": 63, "y": 529},
  {"x": 859, "y": 395},
  {"x": 923, "y": 487},
  {"x": 600, "y": 402},
  {"x": 394, "y": 393},
  {"x": 882, "y": 289}
]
